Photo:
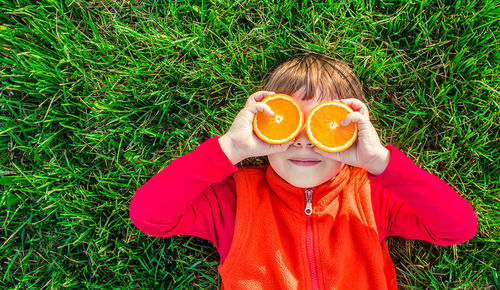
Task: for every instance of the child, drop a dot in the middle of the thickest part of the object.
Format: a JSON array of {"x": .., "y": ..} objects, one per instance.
[{"x": 256, "y": 216}]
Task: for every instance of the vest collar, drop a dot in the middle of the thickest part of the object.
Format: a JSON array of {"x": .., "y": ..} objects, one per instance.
[{"x": 294, "y": 197}]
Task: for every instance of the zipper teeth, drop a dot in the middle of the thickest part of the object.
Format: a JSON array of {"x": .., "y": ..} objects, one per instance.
[
  {"x": 310, "y": 255},
  {"x": 310, "y": 241}
]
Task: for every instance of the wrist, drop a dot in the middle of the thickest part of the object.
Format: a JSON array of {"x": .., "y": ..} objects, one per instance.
[
  {"x": 380, "y": 162},
  {"x": 228, "y": 148}
]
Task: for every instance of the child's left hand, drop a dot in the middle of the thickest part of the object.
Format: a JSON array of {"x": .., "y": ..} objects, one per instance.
[{"x": 367, "y": 152}]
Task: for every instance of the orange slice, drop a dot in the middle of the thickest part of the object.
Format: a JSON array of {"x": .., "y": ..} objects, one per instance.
[
  {"x": 324, "y": 128},
  {"x": 286, "y": 123}
]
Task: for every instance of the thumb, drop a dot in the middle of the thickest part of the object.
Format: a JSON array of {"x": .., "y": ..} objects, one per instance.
[
  {"x": 352, "y": 117},
  {"x": 261, "y": 107}
]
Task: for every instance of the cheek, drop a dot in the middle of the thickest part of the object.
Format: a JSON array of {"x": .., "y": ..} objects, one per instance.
[
  {"x": 333, "y": 167},
  {"x": 277, "y": 161}
]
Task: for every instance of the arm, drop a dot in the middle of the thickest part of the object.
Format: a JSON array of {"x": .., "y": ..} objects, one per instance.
[
  {"x": 410, "y": 202},
  {"x": 193, "y": 195}
]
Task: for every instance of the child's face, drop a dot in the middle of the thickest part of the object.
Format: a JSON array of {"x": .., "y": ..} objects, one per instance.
[{"x": 299, "y": 165}]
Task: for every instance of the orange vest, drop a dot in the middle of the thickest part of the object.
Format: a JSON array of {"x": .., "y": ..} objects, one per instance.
[{"x": 276, "y": 245}]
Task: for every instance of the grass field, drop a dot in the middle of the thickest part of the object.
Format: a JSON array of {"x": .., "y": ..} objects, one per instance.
[{"x": 98, "y": 96}]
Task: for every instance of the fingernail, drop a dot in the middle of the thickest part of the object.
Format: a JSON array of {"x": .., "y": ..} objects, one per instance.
[{"x": 344, "y": 123}]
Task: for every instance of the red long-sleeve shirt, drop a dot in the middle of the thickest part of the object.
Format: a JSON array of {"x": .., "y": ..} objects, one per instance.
[{"x": 196, "y": 195}]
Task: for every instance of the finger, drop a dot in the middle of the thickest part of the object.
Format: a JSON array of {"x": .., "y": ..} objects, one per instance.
[
  {"x": 267, "y": 110},
  {"x": 357, "y": 106},
  {"x": 355, "y": 117},
  {"x": 261, "y": 107},
  {"x": 259, "y": 96}
]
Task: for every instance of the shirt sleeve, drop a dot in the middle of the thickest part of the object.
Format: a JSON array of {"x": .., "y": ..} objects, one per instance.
[
  {"x": 415, "y": 204},
  {"x": 193, "y": 195}
]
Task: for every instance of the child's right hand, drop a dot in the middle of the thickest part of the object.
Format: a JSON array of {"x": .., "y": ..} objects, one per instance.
[{"x": 240, "y": 142}]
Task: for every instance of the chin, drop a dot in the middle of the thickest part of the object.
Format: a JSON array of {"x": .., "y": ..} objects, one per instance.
[
  {"x": 305, "y": 183},
  {"x": 305, "y": 180}
]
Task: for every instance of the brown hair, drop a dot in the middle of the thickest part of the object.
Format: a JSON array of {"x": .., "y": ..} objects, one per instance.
[{"x": 314, "y": 73}]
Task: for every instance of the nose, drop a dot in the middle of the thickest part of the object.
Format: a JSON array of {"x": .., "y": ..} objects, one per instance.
[{"x": 302, "y": 140}]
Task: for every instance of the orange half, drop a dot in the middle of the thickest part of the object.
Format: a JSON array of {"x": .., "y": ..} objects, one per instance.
[
  {"x": 286, "y": 123},
  {"x": 324, "y": 129}
]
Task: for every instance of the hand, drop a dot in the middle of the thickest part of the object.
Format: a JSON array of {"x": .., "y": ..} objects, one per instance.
[
  {"x": 367, "y": 152},
  {"x": 240, "y": 142}
]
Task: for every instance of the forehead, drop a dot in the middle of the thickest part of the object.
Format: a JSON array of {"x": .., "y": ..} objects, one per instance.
[
  {"x": 318, "y": 94},
  {"x": 335, "y": 78},
  {"x": 308, "y": 104}
]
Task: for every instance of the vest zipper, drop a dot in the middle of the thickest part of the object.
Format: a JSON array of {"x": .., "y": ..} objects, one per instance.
[{"x": 310, "y": 240}]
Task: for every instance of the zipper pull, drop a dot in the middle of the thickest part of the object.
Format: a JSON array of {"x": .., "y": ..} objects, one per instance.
[{"x": 309, "y": 199}]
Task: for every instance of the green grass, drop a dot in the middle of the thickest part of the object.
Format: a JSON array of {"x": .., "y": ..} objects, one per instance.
[{"x": 98, "y": 96}]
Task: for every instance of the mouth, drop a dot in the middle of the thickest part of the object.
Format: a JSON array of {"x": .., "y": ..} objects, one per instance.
[{"x": 305, "y": 161}]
